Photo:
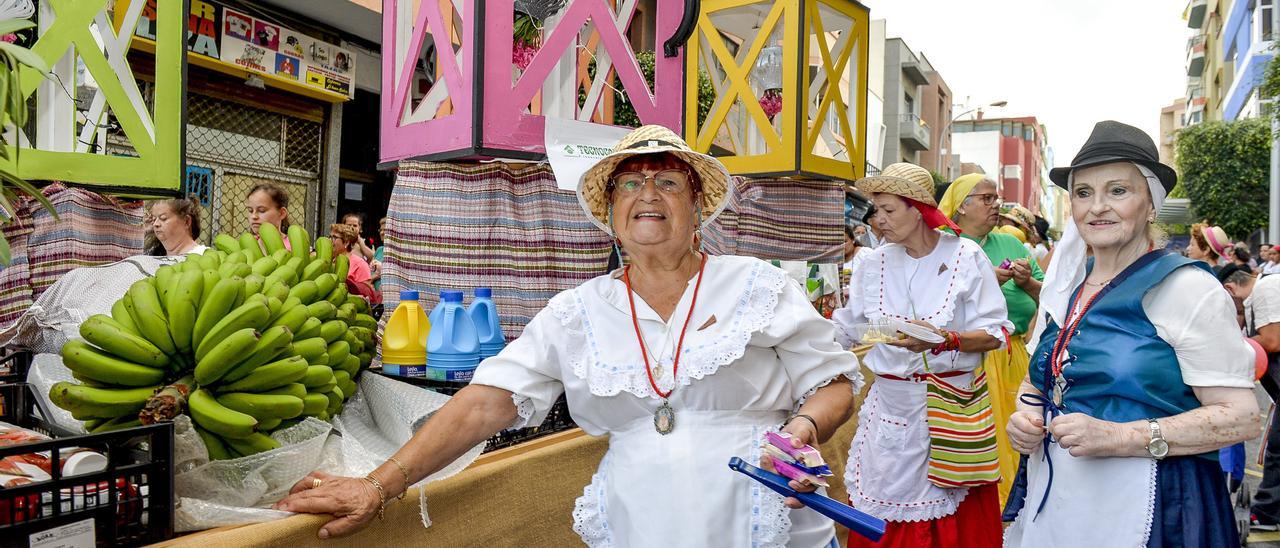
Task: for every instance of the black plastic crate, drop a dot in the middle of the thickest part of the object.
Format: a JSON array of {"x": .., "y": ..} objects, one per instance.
[
  {"x": 130, "y": 503},
  {"x": 14, "y": 365},
  {"x": 558, "y": 419}
]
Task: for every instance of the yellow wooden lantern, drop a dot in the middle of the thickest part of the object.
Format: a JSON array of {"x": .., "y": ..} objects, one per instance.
[{"x": 790, "y": 80}]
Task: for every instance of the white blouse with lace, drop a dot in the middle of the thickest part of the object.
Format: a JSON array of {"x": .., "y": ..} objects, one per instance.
[
  {"x": 755, "y": 349},
  {"x": 954, "y": 288}
]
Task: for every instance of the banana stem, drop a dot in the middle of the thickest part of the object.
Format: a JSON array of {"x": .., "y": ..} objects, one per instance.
[{"x": 168, "y": 402}]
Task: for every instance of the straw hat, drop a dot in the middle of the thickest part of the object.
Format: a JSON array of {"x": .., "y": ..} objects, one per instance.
[
  {"x": 901, "y": 179},
  {"x": 651, "y": 140},
  {"x": 1022, "y": 216},
  {"x": 1218, "y": 240}
]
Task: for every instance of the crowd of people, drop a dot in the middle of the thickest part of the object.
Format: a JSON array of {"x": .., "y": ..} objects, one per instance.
[
  {"x": 173, "y": 227},
  {"x": 1090, "y": 390}
]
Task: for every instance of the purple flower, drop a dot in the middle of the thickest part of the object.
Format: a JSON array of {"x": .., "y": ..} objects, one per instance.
[{"x": 10, "y": 38}]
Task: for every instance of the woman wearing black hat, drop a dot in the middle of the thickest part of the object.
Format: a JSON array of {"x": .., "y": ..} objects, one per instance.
[{"x": 1140, "y": 372}]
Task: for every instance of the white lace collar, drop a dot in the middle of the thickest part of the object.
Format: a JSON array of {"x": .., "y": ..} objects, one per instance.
[
  {"x": 739, "y": 293},
  {"x": 889, "y": 293}
]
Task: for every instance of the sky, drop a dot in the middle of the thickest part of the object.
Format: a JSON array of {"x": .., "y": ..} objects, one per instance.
[{"x": 1069, "y": 63}]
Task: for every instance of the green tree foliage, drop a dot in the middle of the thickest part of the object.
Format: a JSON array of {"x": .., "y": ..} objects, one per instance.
[
  {"x": 624, "y": 114},
  {"x": 1225, "y": 169}
]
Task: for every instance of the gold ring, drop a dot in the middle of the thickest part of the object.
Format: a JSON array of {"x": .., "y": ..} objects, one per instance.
[{"x": 316, "y": 482}]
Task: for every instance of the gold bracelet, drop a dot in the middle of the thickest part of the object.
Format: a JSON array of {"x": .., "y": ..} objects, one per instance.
[
  {"x": 382, "y": 494},
  {"x": 404, "y": 472}
]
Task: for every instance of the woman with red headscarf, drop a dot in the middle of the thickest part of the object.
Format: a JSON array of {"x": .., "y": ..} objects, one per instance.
[{"x": 945, "y": 286}]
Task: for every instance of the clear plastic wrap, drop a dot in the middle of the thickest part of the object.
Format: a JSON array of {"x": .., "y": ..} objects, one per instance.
[
  {"x": 239, "y": 491},
  {"x": 56, "y": 315}
]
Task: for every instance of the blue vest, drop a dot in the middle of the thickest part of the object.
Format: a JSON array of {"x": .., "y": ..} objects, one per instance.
[{"x": 1120, "y": 370}]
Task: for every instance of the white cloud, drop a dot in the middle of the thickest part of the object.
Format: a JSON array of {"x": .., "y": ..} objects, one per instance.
[{"x": 1068, "y": 63}]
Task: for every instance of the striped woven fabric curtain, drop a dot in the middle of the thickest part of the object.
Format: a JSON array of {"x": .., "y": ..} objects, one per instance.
[
  {"x": 502, "y": 226},
  {"x": 782, "y": 219},
  {"x": 91, "y": 230}
]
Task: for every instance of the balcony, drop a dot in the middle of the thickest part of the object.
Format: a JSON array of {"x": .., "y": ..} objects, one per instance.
[
  {"x": 913, "y": 132},
  {"x": 1196, "y": 10},
  {"x": 1195, "y": 56},
  {"x": 1195, "y": 99},
  {"x": 1012, "y": 172},
  {"x": 915, "y": 73}
]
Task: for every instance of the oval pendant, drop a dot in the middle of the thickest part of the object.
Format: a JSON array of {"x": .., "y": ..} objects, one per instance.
[{"x": 664, "y": 419}]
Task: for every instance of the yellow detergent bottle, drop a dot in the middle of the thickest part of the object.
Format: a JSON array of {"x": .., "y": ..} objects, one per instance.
[{"x": 404, "y": 341}]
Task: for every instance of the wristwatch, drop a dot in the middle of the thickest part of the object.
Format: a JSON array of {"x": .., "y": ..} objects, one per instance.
[{"x": 1157, "y": 446}]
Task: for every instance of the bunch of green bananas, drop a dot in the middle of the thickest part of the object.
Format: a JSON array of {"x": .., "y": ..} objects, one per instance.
[{"x": 258, "y": 336}]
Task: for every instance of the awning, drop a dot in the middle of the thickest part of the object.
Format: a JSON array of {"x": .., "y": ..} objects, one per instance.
[{"x": 1176, "y": 211}]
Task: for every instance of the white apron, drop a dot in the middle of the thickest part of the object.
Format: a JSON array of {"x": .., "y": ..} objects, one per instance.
[
  {"x": 642, "y": 466},
  {"x": 1094, "y": 502}
]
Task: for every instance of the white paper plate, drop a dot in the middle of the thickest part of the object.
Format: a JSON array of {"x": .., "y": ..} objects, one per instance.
[{"x": 922, "y": 333}]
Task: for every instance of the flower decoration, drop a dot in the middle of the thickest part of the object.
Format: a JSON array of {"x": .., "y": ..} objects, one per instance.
[
  {"x": 771, "y": 102},
  {"x": 522, "y": 54},
  {"x": 525, "y": 37}
]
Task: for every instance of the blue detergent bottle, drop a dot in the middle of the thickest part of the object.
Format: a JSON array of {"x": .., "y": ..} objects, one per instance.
[
  {"x": 453, "y": 348},
  {"x": 484, "y": 313}
]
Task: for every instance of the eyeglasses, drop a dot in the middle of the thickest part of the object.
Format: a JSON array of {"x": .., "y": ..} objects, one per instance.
[
  {"x": 986, "y": 199},
  {"x": 671, "y": 181}
]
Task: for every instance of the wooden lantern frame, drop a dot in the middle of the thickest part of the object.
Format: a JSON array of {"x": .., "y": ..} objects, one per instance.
[
  {"x": 474, "y": 110},
  {"x": 61, "y": 150},
  {"x": 789, "y": 146}
]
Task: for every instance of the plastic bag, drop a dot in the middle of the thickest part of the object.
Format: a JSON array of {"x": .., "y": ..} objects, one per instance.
[
  {"x": 56, "y": 315},
  {"x": 238, "y": 491}
]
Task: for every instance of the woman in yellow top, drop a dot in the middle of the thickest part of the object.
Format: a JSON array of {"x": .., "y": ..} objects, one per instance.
[{"x": 973, "y": 202}]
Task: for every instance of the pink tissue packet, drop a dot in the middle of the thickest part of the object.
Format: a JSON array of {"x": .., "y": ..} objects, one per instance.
[{"x": 806, "y": 456}]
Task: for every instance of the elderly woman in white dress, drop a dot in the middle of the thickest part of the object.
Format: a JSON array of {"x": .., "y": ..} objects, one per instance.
[
  {"x": 1140, "y": 373},
  {"x": 946, "y": 285},
  {"x": 684, "y": 360}
]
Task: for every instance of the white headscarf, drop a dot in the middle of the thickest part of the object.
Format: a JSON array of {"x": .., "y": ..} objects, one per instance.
[{"x": 1067, "y": 269}]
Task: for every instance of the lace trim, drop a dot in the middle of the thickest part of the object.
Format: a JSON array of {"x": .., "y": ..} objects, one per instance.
[
  {"x": 885, "y": 510},
  {"x": 854, "y": 377},
  {"x": 755, "y": 310},
  {"x": 524, "y": 411},
  {"x": 590, "y": 514},
  {"x": 940, "y": 317},
  {"x": 1151, "y": 503},
  {"x": 770, "y": 517},
  {"x": 1149, "y": 520}
]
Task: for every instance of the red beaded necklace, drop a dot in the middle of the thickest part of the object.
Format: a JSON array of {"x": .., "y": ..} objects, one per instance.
[
  {"x": 1068, "y": 332},
  {"x": 635, "y": 321}
]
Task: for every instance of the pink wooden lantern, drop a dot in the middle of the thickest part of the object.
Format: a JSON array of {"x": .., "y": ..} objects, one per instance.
[{"x": 477, "y": 104}]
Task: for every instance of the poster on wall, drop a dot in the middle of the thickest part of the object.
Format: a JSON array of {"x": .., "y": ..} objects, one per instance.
[
  {"x": 265, "y": 47},
  {"x": 239, "y": 39}
]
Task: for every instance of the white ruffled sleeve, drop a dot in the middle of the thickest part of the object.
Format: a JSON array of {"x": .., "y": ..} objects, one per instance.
[
  {"x": 529, "y": 368},
  {"x": 805, "y": 343},
  {"x": 984, "y": 303}
]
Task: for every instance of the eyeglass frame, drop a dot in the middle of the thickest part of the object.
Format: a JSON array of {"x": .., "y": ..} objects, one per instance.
[
  {"x": 994, "y": 198},
  {"x": 612, "y": 184}
]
